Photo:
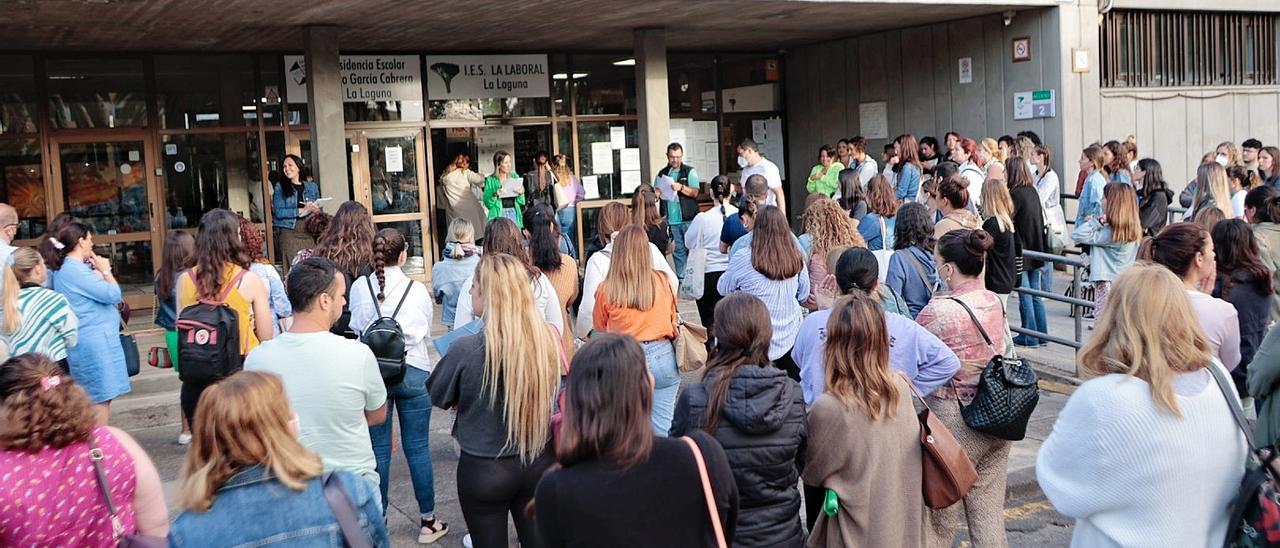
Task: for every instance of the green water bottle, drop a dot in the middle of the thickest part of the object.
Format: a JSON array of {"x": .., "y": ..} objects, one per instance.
[{"x": 831, "y": 504}]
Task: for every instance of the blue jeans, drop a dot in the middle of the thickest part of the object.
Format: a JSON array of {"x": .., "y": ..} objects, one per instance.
[
  {"x": 677, "y": 233},
  {"x": 660, "y": 356},
  {"x": 1031, "y": 307},
  {"x": 411, "y": 400},
  {"x": 568, "y": 219}
]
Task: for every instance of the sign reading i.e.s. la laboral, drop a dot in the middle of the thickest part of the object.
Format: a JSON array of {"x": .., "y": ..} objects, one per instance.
[
  {"x": 487, "y": 76},
  {"x": 364, "y": 78}
]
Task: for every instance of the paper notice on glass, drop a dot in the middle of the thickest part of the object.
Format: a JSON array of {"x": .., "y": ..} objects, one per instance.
[
  {"x": 395, "y": 159},
  {"x": 758, "y": 131},
  {"x": 591, "y": 187},
  {"x": 873, "y": 120},
  {"x": 510, "y": 187},
  {"x": 630, "y": 181},
  {"x": 666, "y": 186},
  {"x": 618, "y": 137},
  {"x": 601, "y": 158},
  {"x": 630, "y": 159}
]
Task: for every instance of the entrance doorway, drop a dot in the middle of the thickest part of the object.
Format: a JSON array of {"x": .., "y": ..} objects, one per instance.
[{"x": 108, "y": 181}]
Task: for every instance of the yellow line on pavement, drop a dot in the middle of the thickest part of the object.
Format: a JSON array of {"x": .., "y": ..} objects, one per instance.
[{"x": 1026, "y": 510}]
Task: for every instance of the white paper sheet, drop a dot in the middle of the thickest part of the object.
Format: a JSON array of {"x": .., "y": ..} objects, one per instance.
[
  {"x": 618, "y": 137},
  {"x": 665, "y": 187},
  {"x": 630, "y": 181},
  {"x": 591, "y": 187},
  {"x": 395, "y": 159},
  {"x": 601, "y": 158},
  {"x": 630, "y": 159},
  {"x": 509, "y": 188}
]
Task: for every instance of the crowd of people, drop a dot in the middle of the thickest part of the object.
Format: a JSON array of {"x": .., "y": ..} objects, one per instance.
[{"x": 566, "y": 393}]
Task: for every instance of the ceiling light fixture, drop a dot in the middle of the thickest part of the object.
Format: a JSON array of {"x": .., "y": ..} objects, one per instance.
[
  {"x": 631, "y": 62},
  {"x": 559, "y": 76}
]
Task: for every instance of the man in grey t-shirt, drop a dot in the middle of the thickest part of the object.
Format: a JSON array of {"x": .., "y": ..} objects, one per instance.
[{"x": 332, "y": 383}]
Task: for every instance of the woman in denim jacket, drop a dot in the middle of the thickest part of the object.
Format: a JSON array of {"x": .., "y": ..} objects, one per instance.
[
  {"x": 292, "y": 199},
  {"x": 281, "y": 495}
]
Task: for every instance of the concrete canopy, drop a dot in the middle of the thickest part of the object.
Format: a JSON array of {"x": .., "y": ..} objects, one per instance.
[{"x": 465, "y": 25}]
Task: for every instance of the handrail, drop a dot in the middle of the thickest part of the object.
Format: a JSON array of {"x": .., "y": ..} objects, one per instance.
[{"x": 1077, "y": 265}]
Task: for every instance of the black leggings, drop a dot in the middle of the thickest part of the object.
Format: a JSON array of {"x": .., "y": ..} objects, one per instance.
[
  {"x": 710, "y": 296},
  {"x": 489, "y": 489},
  {"x": 814, "y": 497},
  {"x": 190, "y": 396}
]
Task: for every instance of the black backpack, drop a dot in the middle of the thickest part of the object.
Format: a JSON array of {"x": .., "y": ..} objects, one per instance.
[
  {"x": 385, "y": 338},
  {"x": 209, "y": 337}
]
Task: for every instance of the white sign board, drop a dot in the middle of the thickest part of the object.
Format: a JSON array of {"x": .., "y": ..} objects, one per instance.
[
  {"x": 700, "y": 141},
  {"x": 491, "y": 139},
  {"x": 873, "y": 120},
  {"x": 395, "y": 159},
  {"x": 768, "y": 135},
  {"x": 630, "y": 159},
  {"x": 601, "y": 158},
  {"x": 966, "y": 70},
  {"x": 487, "y": 76},
  {"x": 364, "y": 78},
  {"x": 618, "y": 137},
  {"x": 1034, "y": 104}
]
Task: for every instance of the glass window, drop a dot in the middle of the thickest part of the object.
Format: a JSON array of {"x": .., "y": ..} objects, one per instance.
[
  {"x": 105, "y": 92},
  {"x": 691, "y": 85},
  {"x": 529, "y": 141},
  {"x": 105, "y": 184},
  {"x": 560, "y": 78},
  {"x": 609, "y": 179},
  {"x": 603, "y": 87},
  {"x": 393, "y": 175},
  {"x": 17, "y": 94},
  {"x": 272, "y": 89},
  {"x": 564, "y": 139},
  {"x": 130, "y": 261},
  {"x": 416, "y": 264},
  {"x": 481, "y": 109},
  {"x": 22, "y": 185},
  {"x": 209, "y": 171},
  {"x": 205, "y": 91}
]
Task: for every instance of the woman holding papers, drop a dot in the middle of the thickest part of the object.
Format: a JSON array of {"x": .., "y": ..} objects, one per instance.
[
  {"x": 293, "y": 198},
  {"x": 503, "y": 192}
]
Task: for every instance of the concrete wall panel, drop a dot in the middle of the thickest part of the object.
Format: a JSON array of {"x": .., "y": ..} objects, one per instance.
[
  {"x": 832, "y": 96},
  {"x": 969, "y": 101},
  {"x": 944, "y": 77},
  {"x": 1264, "y": 118},
  {"x": 918, "y": 81}
]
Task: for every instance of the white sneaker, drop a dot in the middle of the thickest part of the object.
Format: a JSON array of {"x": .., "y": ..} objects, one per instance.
[
  {"x": 466, "y": 541},
  {"x": 184, "y": 439}
]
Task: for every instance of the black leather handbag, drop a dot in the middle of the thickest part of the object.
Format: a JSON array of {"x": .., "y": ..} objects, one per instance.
[{"x": 1008, "y": 391}]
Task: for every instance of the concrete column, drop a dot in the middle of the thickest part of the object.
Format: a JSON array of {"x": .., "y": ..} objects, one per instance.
[
  {"x": 651, "y": 92},
  {"x": 324, "y": 108}
]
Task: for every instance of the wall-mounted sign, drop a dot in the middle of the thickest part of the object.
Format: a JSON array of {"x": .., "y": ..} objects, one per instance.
[
  {"x": 364, "y": 78},
  {"x": 487, "y": 76},
  {"x": 1034, "y": 104},
  {"x": 873, "y": 120},
  {"x": 1021, "y": 49},
  {"x": 966, "y": 70},
  {"x": 1079, "y": 60}
]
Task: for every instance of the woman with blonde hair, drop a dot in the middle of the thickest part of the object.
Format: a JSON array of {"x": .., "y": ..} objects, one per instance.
[
  {"x": 574, "y": 192},
  {"x": 51, "y": 494},
  {"x": 36, "y": 319},
  {"x": 457, "y": 263},
  {"x": 458, "y": 186},
  {"x": 864, "y": 436},
  {"x": 635, "y": 299},
  {"x": 1151, "y": 399},
  {"x": 1113, "y": 239},
  {"x": 503, "y": 382},
  {"x": 1212, "y": 189},
  {"x": 829, "y": 227},
  {"x": 991, "y": 150},
  {"x": 246, "y": 462},
  {"x": 1001, "y": 271}
]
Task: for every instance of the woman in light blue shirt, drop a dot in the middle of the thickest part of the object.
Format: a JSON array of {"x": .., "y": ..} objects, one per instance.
[
  {"x": 1091, "y": 161},
  {"x": 882, "y": 209},
  {"x": 908, "y": 169}
]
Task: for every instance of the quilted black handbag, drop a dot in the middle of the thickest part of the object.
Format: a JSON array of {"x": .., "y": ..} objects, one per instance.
[{"x": 1008, "y": 391}]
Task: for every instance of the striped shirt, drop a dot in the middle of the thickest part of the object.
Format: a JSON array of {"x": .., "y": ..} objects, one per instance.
[
  {"x": 48, "y": 324},
  {"x": 781, "y": 297}
]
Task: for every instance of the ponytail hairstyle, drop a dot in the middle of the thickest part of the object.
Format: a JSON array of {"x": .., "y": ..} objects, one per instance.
[
  {"x": 1248, "y": 178},
  {"x": 741, "y": 333},
  {"x": 1260, "y": 199},
  {"x": 1175, "y": 246},
  {"x": 461, "y": 231},
  {"x": 22, "y": 265},
  {"x": 644, "y": 207},
  {"x": 49, "y": 252},
  {"x": 720, "y": 191},
  {"x": 857, "y": 269},
  {"x": 967, "y": 249},
  {"x": 388, "y": 244},
  {"x": 544, "y": 237},
  {"x": 66, "y": 240},
  {"x": 43, "y": 406}
]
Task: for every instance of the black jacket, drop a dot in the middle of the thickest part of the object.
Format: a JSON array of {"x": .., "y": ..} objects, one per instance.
[
  {"x": 763, "y": 428},
  {"x": 1153, "y": 211},
  {"x": 1001, "y": 271},
  {"x": 1028, "y": 222}
]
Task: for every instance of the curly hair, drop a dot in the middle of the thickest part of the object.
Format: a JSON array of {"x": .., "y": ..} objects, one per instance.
[
  {"x": 251, "y": 240},
  {"x": 36, "y": 417},
  {"x": 217, "y": 246},
  {"x": 316, "y": 224},
  {"x": 348, "y": 241},
  {"x": 830, "y": 227}
]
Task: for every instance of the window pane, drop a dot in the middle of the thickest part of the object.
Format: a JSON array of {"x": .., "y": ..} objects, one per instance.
[
  {"x": 412, "y": 230},
  {"x": 393, "y": 175},
  {"x": 17, "y": 94},
  {"x": 130, "y": 261},
  {"x": 205, "y": 91},
  {"x": 690, "y": 83},
  {"x": 480, "y": 109},
  {"x": 530, "y": 140},
  {"x": 205, "y": 172},
  {"x": 564, "y": 138},
  {"x": 272, "y": 89},
  {"x": 609, "y": 181},
  {"x": 560, "y": 84},
  {"x": 105, "y": 92},
  {"x": 105, "y": 184},
  {"x": 22, "y": 185},
  {"x": 601, "y": 86}
]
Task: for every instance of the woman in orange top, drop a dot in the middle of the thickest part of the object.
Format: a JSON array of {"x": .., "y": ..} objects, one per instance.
[
  {"x": 636, "y": 300},
  {"x": 219, "y": 249}
]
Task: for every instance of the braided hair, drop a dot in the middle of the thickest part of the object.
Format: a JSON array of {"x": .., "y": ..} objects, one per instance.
[{"x": 388, "y": 244}]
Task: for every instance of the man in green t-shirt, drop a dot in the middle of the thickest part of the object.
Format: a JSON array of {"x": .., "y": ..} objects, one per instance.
[{"x": 681, "y": 210}]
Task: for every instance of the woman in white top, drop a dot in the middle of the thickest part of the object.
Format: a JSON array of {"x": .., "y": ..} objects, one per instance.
[
  {"x": 1163, "y": 455},
  {"x": 388, "y": 292},
  {"x": 502, "y": 236},
  {"x": 611, "y": 219},
  {"x": 460, "y": 188},
  {"x": 703, "y": 235}
]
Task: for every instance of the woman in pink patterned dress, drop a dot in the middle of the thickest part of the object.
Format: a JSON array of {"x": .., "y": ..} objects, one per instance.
[{"x": 49, "y": 492}]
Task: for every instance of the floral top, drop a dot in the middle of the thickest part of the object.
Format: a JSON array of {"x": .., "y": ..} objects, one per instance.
[{"x": 948, "y": 321}]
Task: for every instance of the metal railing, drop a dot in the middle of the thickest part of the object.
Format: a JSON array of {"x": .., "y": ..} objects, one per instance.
[{"x": 1076, "y": 267}]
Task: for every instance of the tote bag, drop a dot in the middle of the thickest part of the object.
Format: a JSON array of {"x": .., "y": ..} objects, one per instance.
[{"x": 884, "y": 253}]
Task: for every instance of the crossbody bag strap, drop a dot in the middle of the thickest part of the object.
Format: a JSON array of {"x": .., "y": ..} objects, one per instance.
[
  {"x": 977, "y": 324},
  {"x": 707, "y": 492},
  {"x": 924, "y": 277},
  {"x": 104, "y": 487},
  {"x": 1234, "y": 403},
  {"x": 403, "y": 298},
  {"x": 344, "y": 511}
]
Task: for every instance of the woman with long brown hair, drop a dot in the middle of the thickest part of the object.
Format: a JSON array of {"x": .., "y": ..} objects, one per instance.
[
  {"x": 1113, "y": 239},
  {"x": 617, "y": 484},
  {"x": 908, "y": 170},
  {"x": 349, "y": 244},
  {"x": 876, "y": 227},
  {"x": 1187, "y": 250},
  {"x": 293, "y": 198},
  {"x": 609, "y": 223},
  {"x": 51, "y": 495},
  {"x": 635, "y": 299},
  {"x": 864, "y": 436},
  {"x": 1244, "y": 282},
  {"x": 544, "y": 236},
  {"x": 246, "y": 462},
  {"x": 646, "y": 214},
  {"x": 773, "y": 269},
  {"x": 758, "y": 415},
  {"x": 502, "y": 381}
]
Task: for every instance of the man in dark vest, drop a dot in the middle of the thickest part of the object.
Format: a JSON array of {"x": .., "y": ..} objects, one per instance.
[{"x": 685, "y": 184}]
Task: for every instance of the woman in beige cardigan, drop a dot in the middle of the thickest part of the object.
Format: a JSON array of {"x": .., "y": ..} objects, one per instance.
[
  {"x": 864, "y": 438},
  {"x": 953, "y": 203}
]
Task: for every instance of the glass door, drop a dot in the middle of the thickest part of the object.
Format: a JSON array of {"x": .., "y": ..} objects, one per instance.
[
  {"x": 388, "y": 168},
  {"x": 108, "y": 182}
]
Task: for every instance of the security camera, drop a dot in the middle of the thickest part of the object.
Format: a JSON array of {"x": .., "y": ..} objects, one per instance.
[{"x": 1008, "y": 17}]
